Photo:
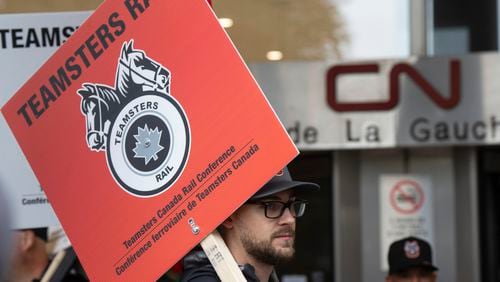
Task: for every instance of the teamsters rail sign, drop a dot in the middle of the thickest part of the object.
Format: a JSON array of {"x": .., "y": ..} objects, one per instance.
[{"x": 146, "y": 131}]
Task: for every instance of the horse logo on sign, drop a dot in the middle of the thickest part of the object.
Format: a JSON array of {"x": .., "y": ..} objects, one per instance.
[{"x": 141, "y": 127}]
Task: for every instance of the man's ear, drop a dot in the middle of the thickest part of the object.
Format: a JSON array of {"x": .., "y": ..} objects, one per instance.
[
  {"x": 229, "y": 222},
  {"x": 27, "y": 240}
]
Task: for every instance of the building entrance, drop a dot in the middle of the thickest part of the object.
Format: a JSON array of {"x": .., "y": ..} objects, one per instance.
[
  {"x": 489, "y": 213},
  {"x": 314, "y": 244}
]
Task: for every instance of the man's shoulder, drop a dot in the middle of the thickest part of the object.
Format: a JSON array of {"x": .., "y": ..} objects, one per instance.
[
  {"x": 204, "y": 273},
  {"x": 197, "y": 267}
]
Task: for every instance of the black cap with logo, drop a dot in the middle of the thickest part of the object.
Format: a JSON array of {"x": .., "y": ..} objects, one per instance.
[
  {"x": 410, "y": 252},
  {"x": 283, "y": 181}
]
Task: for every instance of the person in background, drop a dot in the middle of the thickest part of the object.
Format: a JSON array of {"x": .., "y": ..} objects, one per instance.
[
  {"x": 260, "y": 234},
  {"x": 30, "y": 259},
  {"x": 410, "y": 260},
  {"x": 4, "y": 235}
]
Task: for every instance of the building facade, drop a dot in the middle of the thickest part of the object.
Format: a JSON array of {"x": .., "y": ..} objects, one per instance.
[{"x": 401, "y": 143}]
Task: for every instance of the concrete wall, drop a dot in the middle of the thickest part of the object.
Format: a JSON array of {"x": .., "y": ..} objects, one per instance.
[
  {"x": 357, "y": 225},
  {"x": 438, "y": 164}
]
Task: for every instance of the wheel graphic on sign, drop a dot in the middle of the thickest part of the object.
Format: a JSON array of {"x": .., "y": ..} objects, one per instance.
[
  {"x": 138, "y": 123},
  {"x": 407, "y": 197}
]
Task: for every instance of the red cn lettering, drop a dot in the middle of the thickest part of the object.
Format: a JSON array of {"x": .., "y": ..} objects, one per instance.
[
  {"x": 438, "y": 99},
  {"x": 394, "y": 88}
]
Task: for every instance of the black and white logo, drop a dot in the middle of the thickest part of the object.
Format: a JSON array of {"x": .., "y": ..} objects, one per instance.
[{"x": 141, "y": 127}]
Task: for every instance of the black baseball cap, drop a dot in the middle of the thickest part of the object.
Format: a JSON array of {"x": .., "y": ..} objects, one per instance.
[
  {"x": 410, "y": 252},
  {"x": 283, "y": 181}
]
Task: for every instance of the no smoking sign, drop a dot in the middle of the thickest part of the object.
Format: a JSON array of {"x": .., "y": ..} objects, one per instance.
[
  {"x": 405, "y": 209},
  {"x": 407, "y": 196}
]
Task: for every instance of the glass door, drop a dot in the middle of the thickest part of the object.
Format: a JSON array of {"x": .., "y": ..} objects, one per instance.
[
  {"x": 489, "y": 213},
  {"x": 313, "y": 260}
]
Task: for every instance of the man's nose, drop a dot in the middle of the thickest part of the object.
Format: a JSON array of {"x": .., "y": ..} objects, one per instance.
[{"x": 286, "y": 217}]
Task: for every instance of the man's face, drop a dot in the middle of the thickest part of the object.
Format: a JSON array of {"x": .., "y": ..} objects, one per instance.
[
  {"x": 416, "y": 274},
  {"x": 268, "y": 240}
]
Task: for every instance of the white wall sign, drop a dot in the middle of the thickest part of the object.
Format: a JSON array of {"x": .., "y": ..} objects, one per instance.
[
  {"x": 405, "y": 209},
  {"x": 26, "y": 41},
  {"x": 430, "y": 101}
]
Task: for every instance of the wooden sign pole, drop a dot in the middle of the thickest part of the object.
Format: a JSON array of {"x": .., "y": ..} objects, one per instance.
[
  {"x": 60, "y": 266},
  {"x": 222, "y": 260},
  {"x": 56, "y": 262}
]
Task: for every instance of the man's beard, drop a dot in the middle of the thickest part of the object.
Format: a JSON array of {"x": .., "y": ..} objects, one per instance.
[{"x": 264, "y": 251}]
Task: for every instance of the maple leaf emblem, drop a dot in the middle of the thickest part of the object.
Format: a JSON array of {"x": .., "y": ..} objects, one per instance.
[{"x": 148, "y": 144}]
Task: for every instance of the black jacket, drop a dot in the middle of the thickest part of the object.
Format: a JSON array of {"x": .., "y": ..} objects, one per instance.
[{"x": 197, "y": 268}]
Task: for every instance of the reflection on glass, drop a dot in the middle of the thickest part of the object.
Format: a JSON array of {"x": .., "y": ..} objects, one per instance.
[{"x": 300, "y": 30}]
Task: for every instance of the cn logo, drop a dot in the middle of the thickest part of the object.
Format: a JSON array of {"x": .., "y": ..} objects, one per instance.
[{"x": 396, "y": 72}]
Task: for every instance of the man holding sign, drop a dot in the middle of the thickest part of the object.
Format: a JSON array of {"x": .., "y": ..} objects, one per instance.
[
  {"x": 143, "y": 139},
  {"x": 260, "y": 234}
]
